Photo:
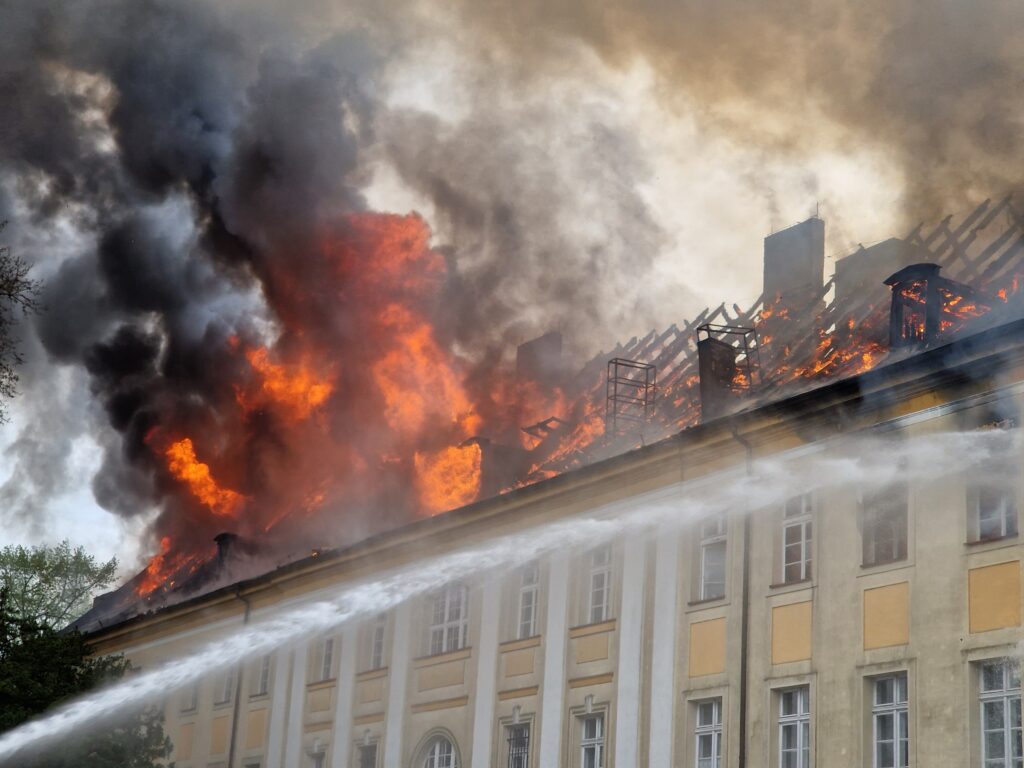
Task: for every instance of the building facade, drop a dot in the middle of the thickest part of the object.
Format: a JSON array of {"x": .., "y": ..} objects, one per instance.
[{"x": 842, "y": 627}]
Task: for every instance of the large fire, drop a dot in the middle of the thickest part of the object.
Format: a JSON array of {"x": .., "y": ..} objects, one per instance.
[{"x": 358, "y": 406}]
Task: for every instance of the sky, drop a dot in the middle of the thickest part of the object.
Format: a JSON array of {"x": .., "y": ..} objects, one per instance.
[{"x": 642, "y": 150}]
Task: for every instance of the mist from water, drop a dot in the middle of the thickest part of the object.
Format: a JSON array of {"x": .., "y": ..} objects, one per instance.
[{"x": 861, "y": 463}]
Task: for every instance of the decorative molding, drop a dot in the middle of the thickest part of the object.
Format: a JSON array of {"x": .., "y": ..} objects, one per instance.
[
  {"x": 433, "y": 706},
  {"x": 442, "y": 658},
  {"x": 583, "y": 682},
  {"x": 518, "y": 693},
  {"x": 372, "y": 674},
  {"x": 593, "y": 629},
  {"x": 519, "y": 645}
]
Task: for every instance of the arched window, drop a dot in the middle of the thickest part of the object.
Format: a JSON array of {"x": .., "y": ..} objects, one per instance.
[{"x": 439, "y": 753}]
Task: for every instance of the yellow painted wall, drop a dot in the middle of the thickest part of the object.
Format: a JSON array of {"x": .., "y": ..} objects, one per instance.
[
  {"x": 371, "y": 690},
  {"x": 519, "y": 662},
  {"x": 183, "y": 746},
  {"x": 887, "y": 616},
  {"x": 591, "y": 648},
  {"x": 791, "y": 632},
  {"x": 441, "y": 675},
  {"x": 707, "y": 647},
  {"x": 994, "y": 596},
  {"x": 219, "y": 735},
  {"x": 256, "y": 729},
  {"x": 320, "y": 700}
]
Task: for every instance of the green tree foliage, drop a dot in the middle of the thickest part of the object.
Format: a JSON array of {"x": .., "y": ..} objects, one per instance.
[
  {"x": 18, "y": 295},
  {"x": 52, "y": 585},
  {"x": 41, "y": 668}
]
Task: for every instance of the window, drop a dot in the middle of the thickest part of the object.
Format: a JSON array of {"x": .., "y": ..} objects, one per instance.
[
  {"x": 796, "y": 539},
  {"x": 709, "y": 734},
  {"x": 439, "y": 753},
  {"x": 529, "y": 588},
  {"x": 377, "y": 642},
  {"x": 225, "y": 688},
  {"x": 992, "y": 509},
  {"x": 1000, "y": 715},
  {"x": 190, "y": 698},
  {"x": 518, "y": 746},
  {"x": 261, "y": 683},
  {"x": 317, "y": 760},
  {"x": 890, "y": 727},
  {"x": 885, "y": 525},
  {"x": 592, "y": 742},
  {"x": 712, "y": 558},
  {"x": 323, "y": 660},
  {"x": 448, "y": 627},
  {"x": 368, "y": 756},
  {"x": 795, "y": 728},
  {"x": 600, "y": 584}
]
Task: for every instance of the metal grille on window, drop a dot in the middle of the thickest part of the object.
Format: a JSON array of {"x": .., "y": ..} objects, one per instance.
[
  {"x": 712, "y": 557},
  {"x": 519, "y": 746},
  {"x": 368, "y": 756},
  {"x": 890, "y": 726},
  {"x": 592, "y": 742},
  {"x": 795, "y": 728},
  {"x": 796, "y": 539},
  {"x": 709, "y": 734},
  {"x": 600, "y": 584},
  {"x": 1000, "y": 715},
  {"x": 448, "y": 628},
  {"x": 528, "y": 592}
]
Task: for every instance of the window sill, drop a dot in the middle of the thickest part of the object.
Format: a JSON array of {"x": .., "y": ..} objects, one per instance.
[
  {"x": 372, "y": 674},
  {"x": 441, "y": 658},
  {"x": 792, "y": 585},
  {"x": 706, "y": 601},
  {"x": 893, "y": 565},
  {"x": 592, "y": 629},
  {"x": 319, "y": 684},
  {"x": 518, "y": 645},
  {"x": 993, "y": 543},
  {"x": 259, "y": 696}
]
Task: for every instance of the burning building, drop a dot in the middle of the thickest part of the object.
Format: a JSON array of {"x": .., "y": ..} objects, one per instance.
[{"x": 844, "y": 622}]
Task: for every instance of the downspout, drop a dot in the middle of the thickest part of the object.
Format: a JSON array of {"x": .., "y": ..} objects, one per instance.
[
  {"x": 238, "y": 685},
  {"x": 745, "y": 603}
]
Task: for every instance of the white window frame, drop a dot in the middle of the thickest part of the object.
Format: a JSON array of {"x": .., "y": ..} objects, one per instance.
[
  {"x": 713, "y": 536},
  {"x": 798, "y": 514},
  {"x": 1006, "y": 516},
  {"x": 225, "y": 689},
  {"x": 190, "y": 698},
  {"x": 439, "y": 749},
  {"x": 450, "y": 620},
  {"x": 592, "y": 745},
  {"x": 263, "y": 677},
  {"x": 529, "y": 592},
  {"x": 377, "y": 638},
  {"x": 800, "y": 721},
  {"x": 323, "y": 661},
  {"x": 708, "y": 732},
  {"x": 1007, "y": 696},
  {"x": 600, "y": 592},
  {"x": 898, "y": 709},
  {"x": 518, "y": 747}
]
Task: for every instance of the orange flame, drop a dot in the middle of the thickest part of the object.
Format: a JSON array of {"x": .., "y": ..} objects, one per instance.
[
  {"x": 186, "y": 467},
  {"x": 297, "y": 390},
  {"x": 448, "y": 478}
]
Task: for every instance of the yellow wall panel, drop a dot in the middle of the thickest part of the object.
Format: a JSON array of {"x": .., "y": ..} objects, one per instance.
[
  {"x": 219, "y": 735},
  {"x": 519, "y": 662},
  {"x": 887, "y": 616},
  {"x": 591, "y": 648},
  {"x": 320, "y": 700},
  {"x": 441, "y": 675},
  {"x": 994, "y": 596},
  {"x": 256, "y": 729},
  {"x": 371, "y": 690},
  {"x": 183, "y": 746},
  {"x": 791, "y": 633},
  {"x": 707, "y": 647}
]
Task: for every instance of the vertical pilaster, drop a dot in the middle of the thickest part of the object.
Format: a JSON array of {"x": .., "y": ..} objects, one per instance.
[
  {"x": 486, "y": 673},
  {"x": 296, "y": 706},
  {"x": 663, "y": 652},
  {"x": 279, "y": 702},
  {"x": 397, "y": 680},
  {"x": 341, "y": 738},
  {"x": 555, "y": 634},
  {"x": 627, "y": 712}
]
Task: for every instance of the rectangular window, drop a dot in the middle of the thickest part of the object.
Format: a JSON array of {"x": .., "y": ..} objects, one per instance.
[
  {"x": 529, "y": 589},
  {"x": 262, "y": 681},
  {"x": 796, "y": 539},
  {"x": 709, "y": 734},
  {"x": 890, "y": 725},
  {"x": 377, "y": 642},
  {"x": 323, "y": 661},
  {"x": 225, "y": 688},
  {"x": 600, "y": 584},
  {"x": 368, "y": 756},
  {"x": 190, "y": 698},
  {"x": 450, "y": 619},
  {"x": 518, "y": 746},
  {"x": 712, "y": 557},
  {"x": 992, "y": 509},
  {"x": 1000, "y": 715},
  {"x": 795, "y": 728},
  {"x": 884, "y": 518},
  {"x": 592, "y": 742},
  {"x": 317, "y": 760}
]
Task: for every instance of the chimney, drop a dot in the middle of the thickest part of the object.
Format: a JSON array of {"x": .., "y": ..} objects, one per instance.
[
  {"x": 794, "y": 263},
  {"x": 225, "y": 544},
  {"x": 727, "y": 362}
]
